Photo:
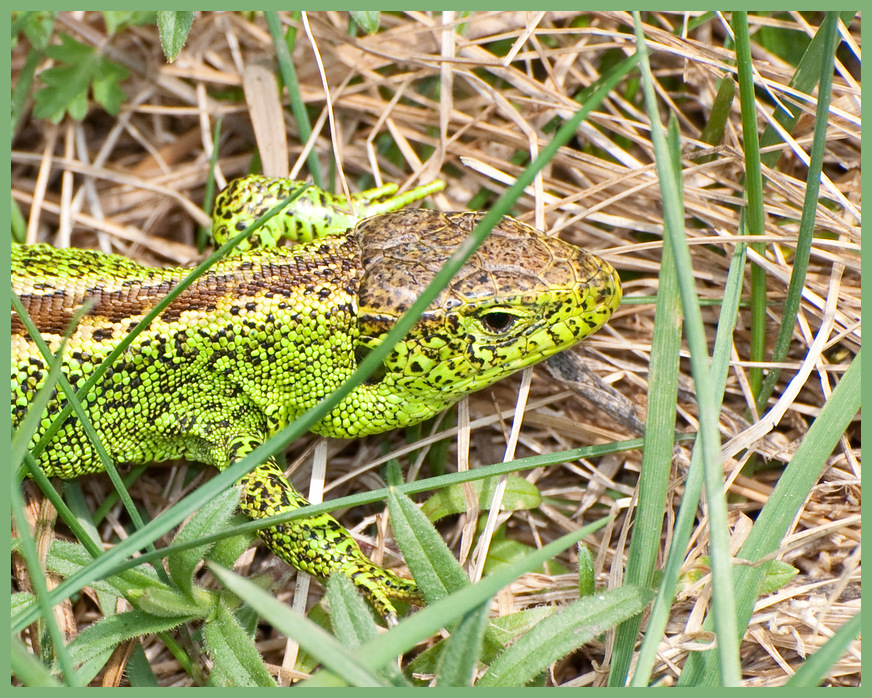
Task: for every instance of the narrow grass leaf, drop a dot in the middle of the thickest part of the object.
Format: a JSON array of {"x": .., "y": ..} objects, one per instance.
[
  {"x": 722, "y": 598},
  {"x": 781, "y": 507},
  {"x": 236, "y": 661},
  {"x": 827, "y": 32},
  {"x": 563, "y": 632},
  {"x": 462, "y": 650},
  {"x": 753, "y": 193},
  {"x": 815, "y": 668},
  {"x": 20, "y": 440},
  {"x": 805, "y": 77},
  {"x": 657, "y": 455},
  {"x": 283, "y": 46},
  {"x": 660, "y": 611},
  {"x": 350, "y": 667}
]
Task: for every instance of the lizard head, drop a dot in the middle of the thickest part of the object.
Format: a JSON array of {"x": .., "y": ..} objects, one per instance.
[{"x": 520, "y": 298}]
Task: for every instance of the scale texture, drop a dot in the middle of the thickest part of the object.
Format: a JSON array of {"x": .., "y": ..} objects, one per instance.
[{"x": 268, "y": 332}]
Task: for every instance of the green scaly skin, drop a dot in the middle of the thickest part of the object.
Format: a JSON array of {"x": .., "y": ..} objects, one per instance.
[{"x": 270, "y": 331}]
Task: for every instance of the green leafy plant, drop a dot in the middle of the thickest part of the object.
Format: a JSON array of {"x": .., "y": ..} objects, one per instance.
[
  {"x": 163, "y": 606},
  {"x": 358, "y": 656},
  {"x": 80, "y": 71}
]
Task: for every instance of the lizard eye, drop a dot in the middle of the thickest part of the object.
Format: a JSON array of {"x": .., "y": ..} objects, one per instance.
[{"x": 498, "y": 321}]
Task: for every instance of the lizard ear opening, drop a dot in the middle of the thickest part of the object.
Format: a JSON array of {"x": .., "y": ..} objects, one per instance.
[{"x": 374, "y": 378}]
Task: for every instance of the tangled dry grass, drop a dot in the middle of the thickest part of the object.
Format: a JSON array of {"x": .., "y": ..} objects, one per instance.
[{"x": 464, "y": 99}]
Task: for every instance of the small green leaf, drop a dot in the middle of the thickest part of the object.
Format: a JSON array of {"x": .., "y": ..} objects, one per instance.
[
  {"x": 352, "y": 621},
  {"x": 117, "y": 19},
  {"x": 560, "y": 634},
  {"x": 777, "y": 576},
  {"x": 366, "y": 20},
  {"x": 163, "y": 602},
  {"x": 212, "y": 517},
  {"x": 237, "y": 662},
  {"x": 434, "y": 568},
  {"x": 174, "y": 28},
  {"x": 520, "y": 494},
  {"x": 66, "y": 559},
  {"x": 504, "y": 552},
  {"x": 586, "y": 578}
]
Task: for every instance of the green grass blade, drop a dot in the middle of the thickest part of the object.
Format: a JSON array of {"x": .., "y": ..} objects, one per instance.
[
  {"x": 809, "y": 209},
  {"x": 559, "y": 634},
  {"x": 814, "y": 669},
  {"x": 756, "y": 224},
  {"x": 353, "y": 668},
  {"x": 713, "y": 133},
  {"x": 657, "y": 455},
  {"x": 725, "y": 622},
  {"x": 662, "y": 606},
  {"x": 462, "y": 650},
  {"x": 408, "y": 488},
  {"x": 20, "y": 441},
  {"x": 805, "y": 78},
  {"x": 37, "y": 577},
  {"x": 781, "y": 507}
]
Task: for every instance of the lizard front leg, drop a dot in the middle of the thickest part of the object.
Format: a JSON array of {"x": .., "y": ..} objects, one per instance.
[{"x": 319, "y": 545}]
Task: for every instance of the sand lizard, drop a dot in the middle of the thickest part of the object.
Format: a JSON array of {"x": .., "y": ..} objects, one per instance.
[{"x": 270, "y": 330}]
